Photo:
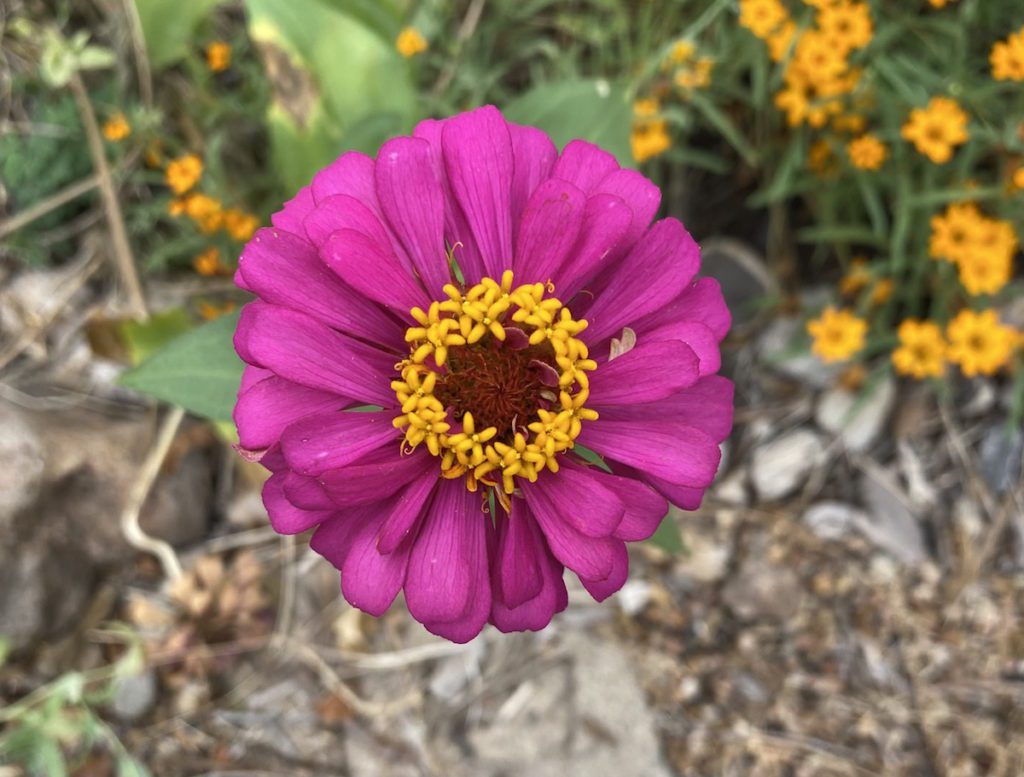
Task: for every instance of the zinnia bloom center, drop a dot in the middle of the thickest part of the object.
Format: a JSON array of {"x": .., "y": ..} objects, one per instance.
[
  {"x": 495, "y": 383},
  {"x": 501, "y": 386}
]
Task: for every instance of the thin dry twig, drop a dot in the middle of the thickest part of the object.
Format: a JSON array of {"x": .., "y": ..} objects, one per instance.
[
  {"x": 123, "y": 259},
  {"x": 130, "y": 527},
  {"x": 54, "y": 201},
  {"x": 76, "y": 278},
  {"x": 141, "y": 55},
  {"x": 286, "y": 605},
  {"x": 307, "y": 655},
  {"x": 465, "y": 32}
]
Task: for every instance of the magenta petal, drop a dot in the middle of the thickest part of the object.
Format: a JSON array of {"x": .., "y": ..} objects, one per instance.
[
  {"x": 698, "y": 337},
  {"x": 406, "y": 511},
  {"x": 370, "y": 580},
  {"x": 334, "y": 537},
  {"x": 605, "y": 221},
  {"x": 456, "y": 229},
  {"x": 438, "y": 585},
  {"x": 285, "y": 517},
  {"x": 516, "y": 574},
  {"x": 580, "y": 500},
  {"x": 284, "y": 269},
  {"x": 706, "y": 405},
  {"x": 662, "y": 448},
  {"x": 645, "y": 507},
  {"x": 686, "y": 497},
  {"x": 590, "y": 557},
  {"x": 642, "y": 197},
  {"x": 549, "y": 228},
  {"x": 350, "y": 174},
  {"x": 478, "y": 161},
  {"x": 306, "y": 492},
  {"x": 534, "y": 155},
  {"x": 536, "y": 612},
  {"x": 474, "y": 618},
  {"x": 377, "y": 274},
  {"x": 702, "y": 301},
  {"x": 413, "y": 204},
  {"x": 251, "y": 376},
  {"x": 344, "y": 212},
  {"x": 327, "y": 441},
  {"x": 602, "y": 589},
  {"x": 291, "y": 216},
  {"x": 307, "y": 352},
  {"x": 584, "y": 165},
  {"x": 657, "y": 269},
  {"x": 648, "y": 372},
  {"x": 376, "y": 476},
  {"x": 266, "y": 408}
]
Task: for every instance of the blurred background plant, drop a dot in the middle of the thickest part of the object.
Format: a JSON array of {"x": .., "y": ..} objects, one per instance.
[
  {"x": 878, "y": 144},
  {"x": 869, "y": 154}
]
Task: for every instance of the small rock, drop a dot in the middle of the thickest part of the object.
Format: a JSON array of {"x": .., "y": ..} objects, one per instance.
[
  {"x": 134, "y": 696},
  {"x": 781, "y": 466},
  {"x": 706, "y": 560},
  {"x": 1000, "y": 454},
  {"x": 732, "y": 489},
  {"x": 889, "y": 522},
  {"x": 763, "y": 590},
  {"x": 832, "y": 520},
  {"x": 634, "y": 596},
  {"x": 22, "y": 463},
  {"x": 857, "y": 420}
]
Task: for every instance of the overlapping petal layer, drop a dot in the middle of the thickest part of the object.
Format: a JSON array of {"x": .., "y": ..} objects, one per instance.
[{"x": 337, "y": 276}]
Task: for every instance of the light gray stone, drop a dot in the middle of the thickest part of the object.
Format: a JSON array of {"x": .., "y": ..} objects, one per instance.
[
  {"x": 135, "y": 696},
  {"x": 889, "y": 522},
  {"x": 857, "y": 419},
  {"x": 22, "y": 463},
  {"x": 778, "y": 468}
]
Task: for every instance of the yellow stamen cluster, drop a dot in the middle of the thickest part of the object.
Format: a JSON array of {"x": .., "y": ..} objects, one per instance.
[{"x": 463, "y": 320}]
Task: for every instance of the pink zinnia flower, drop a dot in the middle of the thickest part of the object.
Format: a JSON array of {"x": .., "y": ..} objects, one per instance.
[{"x": 483, "y": 307}]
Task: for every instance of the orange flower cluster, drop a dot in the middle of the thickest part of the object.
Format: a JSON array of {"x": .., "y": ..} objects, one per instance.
[
  {"x": 818, "y": 75},
  {"x": 982, "y": 248},
  {"x": 1007, "y": 58}
]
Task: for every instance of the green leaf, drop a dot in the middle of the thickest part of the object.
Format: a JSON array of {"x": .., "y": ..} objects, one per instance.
[
  {"x": 337, "y": 81},
  {"x": 590, "y": 456},
  {"x": 667, "y": 536},
  {"x": 594, "y": 110},
  {"x": 198, "y": 371},
  {"x": 169, "y": 27},
  {"x": 726, "y": 127},
  {"x": 840, "y": 234},
  {"x": 144, "y": 339},
  {"x": 129, "y": 767}
]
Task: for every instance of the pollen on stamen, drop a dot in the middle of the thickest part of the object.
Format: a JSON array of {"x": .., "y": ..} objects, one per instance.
[{"x": 480, "y": 401}]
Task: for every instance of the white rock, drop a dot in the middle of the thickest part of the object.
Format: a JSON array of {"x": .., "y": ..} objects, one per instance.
[
  {"x": 832, "y": 520},
  {"x": 857, "y": 419},
  {"x": 634, "y": 596},
  {"x": 781, "y": 466},
  {"x": 22, "y": 462},
  {"x": 732, "y": 489}
]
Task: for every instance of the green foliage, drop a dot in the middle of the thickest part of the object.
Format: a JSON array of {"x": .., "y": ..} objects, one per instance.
[
  {"x": 667, "y": 536},
  {"x": 169, "y": 27},
  {"x": 198, "y": 371},
  {"x": 593, "y": 110},
  {"x": 329, "y": 95},
  {"x": 47, "y": 731},
  {"x": 143, "y": 339}
]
